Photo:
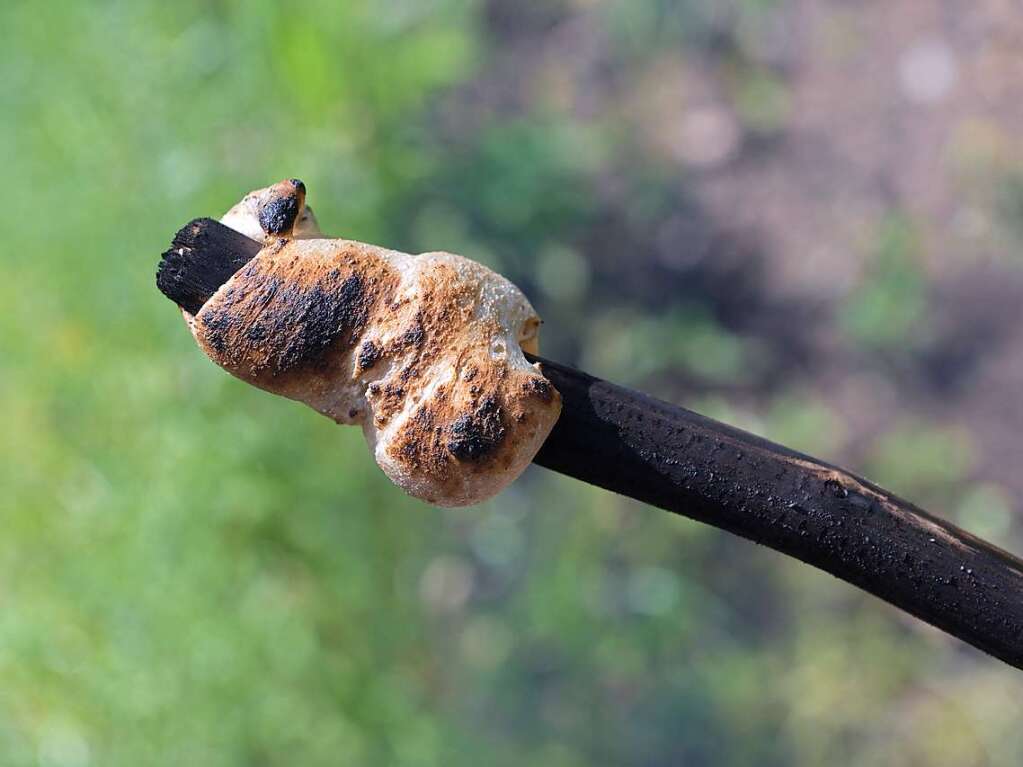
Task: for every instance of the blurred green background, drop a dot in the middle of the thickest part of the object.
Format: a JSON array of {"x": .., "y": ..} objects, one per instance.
[{"x": 804, "y": 218}]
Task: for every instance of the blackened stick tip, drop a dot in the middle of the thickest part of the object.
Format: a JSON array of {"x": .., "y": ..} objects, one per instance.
[{"x": 202, "y": 257}]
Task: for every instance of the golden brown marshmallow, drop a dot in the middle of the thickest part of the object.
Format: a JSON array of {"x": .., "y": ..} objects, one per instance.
[{"x": 424, "y": 352}]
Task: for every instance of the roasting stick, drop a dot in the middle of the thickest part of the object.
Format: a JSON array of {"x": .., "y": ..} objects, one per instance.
[{"x": 669, "y": 457}]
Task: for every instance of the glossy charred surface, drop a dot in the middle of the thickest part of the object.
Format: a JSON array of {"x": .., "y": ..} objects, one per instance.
[{"x": 680, "y": 461}]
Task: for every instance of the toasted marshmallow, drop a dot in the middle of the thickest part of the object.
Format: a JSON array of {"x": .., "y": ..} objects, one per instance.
[{"x": 424, "y": 352}]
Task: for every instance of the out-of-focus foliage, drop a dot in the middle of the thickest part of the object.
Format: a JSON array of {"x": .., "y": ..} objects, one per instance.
[{"x": 803, "y": 218}]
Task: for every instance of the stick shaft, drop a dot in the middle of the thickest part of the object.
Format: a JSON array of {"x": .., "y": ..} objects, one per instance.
[{"x": 672, "y": 458}]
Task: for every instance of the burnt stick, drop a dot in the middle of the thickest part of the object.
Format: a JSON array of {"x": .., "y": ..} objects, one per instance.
[
  {"x": 672, "y": 458},
  {"x": 202, "y": 257}
]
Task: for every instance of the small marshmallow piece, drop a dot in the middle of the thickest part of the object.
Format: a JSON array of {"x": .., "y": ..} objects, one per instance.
[{"x": 424, "y": 352}]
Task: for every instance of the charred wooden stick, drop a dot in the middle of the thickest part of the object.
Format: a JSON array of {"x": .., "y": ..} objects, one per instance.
[
  {"x": 202, "y": 257},
  {"x": 669, "y": 457}
]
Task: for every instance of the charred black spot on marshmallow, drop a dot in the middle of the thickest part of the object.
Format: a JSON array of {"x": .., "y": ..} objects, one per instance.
[
  {"x": 267, "y": 323},
  {"x": 256, "y": 332},
  {"x": 539, "y": 387},
  {"x": 475, "y": 435},
  {"x": 414, "y": 336},
  {"x": 369, "y": 355},
  {"x": 318, "y": 316},
  {"x": 218, "y": 325},
  {"x": 278, "y": 214}
]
